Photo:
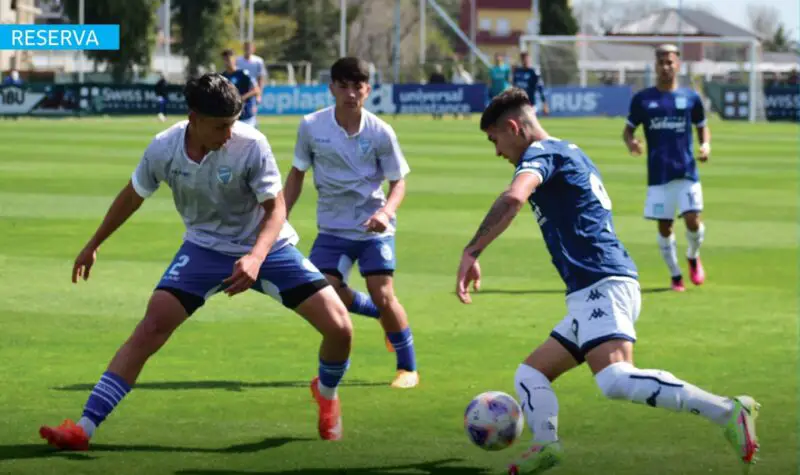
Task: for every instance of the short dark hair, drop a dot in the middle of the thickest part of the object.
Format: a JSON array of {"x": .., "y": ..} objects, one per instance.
[
  {"x": 511, "y": 99},
  {"x": 228, "y": 52},
  {"x": 213, "y": 95},
  {"x": 350, "y": 69}
]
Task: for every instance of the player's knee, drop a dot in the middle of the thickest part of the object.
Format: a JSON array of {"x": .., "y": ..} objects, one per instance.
[
  {"x": 665, "y": 227},
  {"x": 383, "y": 297},
  {"x": 692, "y": 220},
  {"x": 341, "y": 327},
  {"x": 613, "y": 380}
]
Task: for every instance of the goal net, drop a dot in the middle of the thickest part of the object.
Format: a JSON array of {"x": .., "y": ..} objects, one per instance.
[{"x": 630, "y": 60}]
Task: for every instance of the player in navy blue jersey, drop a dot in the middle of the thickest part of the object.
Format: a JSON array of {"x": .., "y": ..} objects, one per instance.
[
  {"x": 667, "y": 112},
  {"x": 246, "y": 84},
  {"x": 573, "y": 209},
  {"x": 528, "y": 79}
]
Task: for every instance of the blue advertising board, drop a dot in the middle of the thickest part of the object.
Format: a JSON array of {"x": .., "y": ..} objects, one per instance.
[
  {"x": 588, "y": 101},
  {"x": 294, "y": 100}
]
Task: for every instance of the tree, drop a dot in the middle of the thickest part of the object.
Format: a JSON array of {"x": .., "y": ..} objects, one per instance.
[
  {"x": 559, "y": 64},
  {"x": 202, "y": 30},
  {"x": 136, "y": 20},
  {"x": 765, "y": 21},
  {"x": 557, "y": 18}
]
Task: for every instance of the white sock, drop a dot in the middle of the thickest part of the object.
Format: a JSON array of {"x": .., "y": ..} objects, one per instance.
[
  {"x": 658, "y": 388},
  {"x": 539, "y": 403},
  {"x": 669, "y": 251},
  {"x": 695, "y": 239},
  {"x": 87, "y": 425},
  {"x": 326, "y": 392}
]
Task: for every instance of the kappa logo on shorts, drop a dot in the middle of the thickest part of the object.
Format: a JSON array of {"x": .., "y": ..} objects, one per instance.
[
  {"x": 597, "y": 314},
  {"x": 594, "y": 295},
  {"x": 386, "y": 252},
  {"x": 224, "y": 174}
]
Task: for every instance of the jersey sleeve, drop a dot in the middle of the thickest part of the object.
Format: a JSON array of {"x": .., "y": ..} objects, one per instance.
[
  {"x": 391, "y": 158},
  {"x": 264, "y": 177},
  {"x": 302, "y": 148},
  {"x": 249, "y": 80},
  {"x": 698, "y": 112},
  {"x": 539, "y": 162},
  {"x": 636, "y": 113},
  {"x": 148, "y": 175}
]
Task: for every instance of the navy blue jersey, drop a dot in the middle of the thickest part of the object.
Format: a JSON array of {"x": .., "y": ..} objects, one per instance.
[
  {"x": 667, "y": 118},
  {"x": 244, "y": 83},
  {"x": 574, "y": 213},
  {"x": 530, "y": 81}
]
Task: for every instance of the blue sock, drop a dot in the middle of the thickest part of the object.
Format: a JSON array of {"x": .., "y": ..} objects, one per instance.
[
  {"x": 330, "y": 374},
  {"x": 107, "y": 393},
  {"x": 363, "y": 305},
  {"x": 403, "y": 343}
]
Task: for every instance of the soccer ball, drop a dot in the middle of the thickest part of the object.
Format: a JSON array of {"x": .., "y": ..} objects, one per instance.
[{"x": 493, "y": 420}]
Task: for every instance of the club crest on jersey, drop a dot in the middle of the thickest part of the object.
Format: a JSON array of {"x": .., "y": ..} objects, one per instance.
[
  {"x": 680, "y": 103},
  {"x": 224, "y": 174},
  {"x": 364, "y": 145}
]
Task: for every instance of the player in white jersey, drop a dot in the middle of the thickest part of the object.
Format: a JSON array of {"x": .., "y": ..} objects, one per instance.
[
  {"x": 667, "y": 112},
  {"x": 227, "y": 188},
  {"x": 254, "y": 65},
  {"x": 352, "y": 152}
]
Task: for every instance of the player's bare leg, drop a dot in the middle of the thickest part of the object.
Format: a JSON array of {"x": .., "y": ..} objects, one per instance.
[
  {"x": 356, "y": 302},
  {"x": 669, "y": 251},
  {"x": 695, "y": 233},
  {"x": 325, "y": 311},
  {"x": 395, "y": 323},
  {"x": 164, "y": 315},
  {"x": 533, "y": 384},
  {"x": 613, "y": 369}
]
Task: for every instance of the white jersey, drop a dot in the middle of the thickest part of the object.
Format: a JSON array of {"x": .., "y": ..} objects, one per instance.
[
  {"x": 253, "y": 65},
  {"x": 349, "y": 170},
  {"x": 219, "y": 198}
]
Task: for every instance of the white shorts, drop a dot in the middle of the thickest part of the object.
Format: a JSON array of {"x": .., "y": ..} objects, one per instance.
[
  {"x": 605, "y": 311},
  {"x": 681, "y": 195}
]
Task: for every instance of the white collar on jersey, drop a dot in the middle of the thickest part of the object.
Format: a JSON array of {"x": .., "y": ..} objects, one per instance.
[{"x": 361, "y": 124}]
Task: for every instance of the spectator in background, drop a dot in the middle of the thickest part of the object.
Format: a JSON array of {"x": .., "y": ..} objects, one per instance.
[
  {"x": 161, "y": 91},
  {"x": 529, "y": 80},
  {"x": 462, "y": 77},
  {"x": 437, "y": 77},
  {"x": 794, "y": 78},
  {"x": 253, "y": 64},
  {"x": 13, "y": 79},
  {"x": 499, "y": 76}
]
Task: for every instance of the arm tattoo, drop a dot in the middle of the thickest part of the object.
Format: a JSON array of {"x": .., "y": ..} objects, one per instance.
[{"x": 495, "y": 215}]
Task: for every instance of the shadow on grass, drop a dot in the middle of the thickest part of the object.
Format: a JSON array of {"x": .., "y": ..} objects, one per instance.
[
  {"x": 235, "y": 386},
  {"x": 438, "y": 467}
]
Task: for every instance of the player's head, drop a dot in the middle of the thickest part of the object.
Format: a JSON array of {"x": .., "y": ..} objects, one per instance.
[
  {"x": 229, "y": 58},
  {"x": 498, "y": 59},
  {"x": 510, "y": 123},
  {"x": 248, "y": 49},
  {"x": 525, "y": 59},
  {"x": 350, "y": 83},
  {"x": 668, "y": 63},
  {"x": 214, "y": 106}
]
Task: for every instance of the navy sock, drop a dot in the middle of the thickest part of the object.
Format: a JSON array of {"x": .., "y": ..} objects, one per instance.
[
  {"x": 403, "y": 343},
  {"x": 363, "y": 305},
  {"x": 106, "y": 395},
  {"x": 330, "y": 374}
]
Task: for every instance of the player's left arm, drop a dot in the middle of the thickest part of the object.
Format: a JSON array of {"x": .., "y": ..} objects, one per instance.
[
  {"x": 252, "y": 90},
  {"x": 500, "y": 215},
  {"x": 265, "y": 182},
  {"x": 703, "y": 131},
  {"x": 395, "y": 168}
]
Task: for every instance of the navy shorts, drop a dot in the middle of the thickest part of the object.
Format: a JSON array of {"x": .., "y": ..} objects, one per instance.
[
  {"x": 336, "y": 256},
  {"x": 196, "y": 273}
]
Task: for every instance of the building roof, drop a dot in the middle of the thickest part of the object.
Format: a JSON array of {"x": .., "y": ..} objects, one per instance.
[{"x": 687, "y": 21}]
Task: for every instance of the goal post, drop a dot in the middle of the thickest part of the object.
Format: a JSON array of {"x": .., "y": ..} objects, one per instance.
[{"x": 575, "y": 60}]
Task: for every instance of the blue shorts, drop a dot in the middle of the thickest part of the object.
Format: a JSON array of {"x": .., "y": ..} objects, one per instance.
[
  {"x": 196, "y": 273},
  {"x": 336, "y": 256}
]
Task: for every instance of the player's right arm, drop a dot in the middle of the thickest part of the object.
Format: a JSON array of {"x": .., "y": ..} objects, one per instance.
[
  {"x": 300, "y": 164},
  {"x": 124, "y": 205},
  {"x": 635, "y": 117}
]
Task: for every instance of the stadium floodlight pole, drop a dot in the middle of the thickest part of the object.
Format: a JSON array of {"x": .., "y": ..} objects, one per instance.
[
  {"x": 397, "y": 17},
  {"x": 753, "y": 43},
  {"x": 473, "y": 32},
  {"x": 167, "y": 35},
  {"x": 252, "y": 12},
  {"x": 242, "y": 6},
  {"x": 453, "y": 26},
  {"x": 423, "y": 5},
  {"x": 81, "y": 13},
  {"x": 537, "y": 29},
  {"x": 342, "y": 28}
]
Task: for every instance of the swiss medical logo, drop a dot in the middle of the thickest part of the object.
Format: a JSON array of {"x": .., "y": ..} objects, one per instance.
[{"x": 59, "y": 37}]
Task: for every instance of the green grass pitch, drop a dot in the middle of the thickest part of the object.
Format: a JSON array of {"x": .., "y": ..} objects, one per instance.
[{"x": 228, "y": 394}]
